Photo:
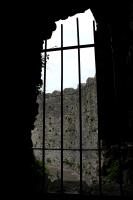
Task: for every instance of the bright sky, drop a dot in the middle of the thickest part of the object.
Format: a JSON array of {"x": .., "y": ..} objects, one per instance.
[{"x": 70, "y": 57}]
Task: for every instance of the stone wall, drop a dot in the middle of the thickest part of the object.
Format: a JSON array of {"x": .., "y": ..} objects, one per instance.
[{"x": 71, "y": 133}]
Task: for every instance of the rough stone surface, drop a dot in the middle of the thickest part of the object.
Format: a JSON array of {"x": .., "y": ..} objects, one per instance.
[{"x": 71, "y": 130}]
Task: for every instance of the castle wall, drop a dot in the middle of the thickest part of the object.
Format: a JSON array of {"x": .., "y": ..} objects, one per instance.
[{"x": 71, "y": 133}]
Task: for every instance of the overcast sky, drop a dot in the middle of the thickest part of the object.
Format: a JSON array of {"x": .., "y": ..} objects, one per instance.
[{"x": 70, "y": 57}]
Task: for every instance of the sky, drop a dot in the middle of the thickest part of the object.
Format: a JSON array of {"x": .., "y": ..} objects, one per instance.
[{"x": 70, "y": 57}]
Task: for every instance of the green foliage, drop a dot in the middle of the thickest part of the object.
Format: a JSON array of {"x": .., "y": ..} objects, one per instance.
[
  {"x": 38, "y": 170},
  {"x": 113, "y": 172}
]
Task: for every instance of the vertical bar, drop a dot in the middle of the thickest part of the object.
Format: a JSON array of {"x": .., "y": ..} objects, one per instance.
[
  {"x": 43, "y": 150},
  {"x": 80, "y": 105},
  {"x": 61, "y": 107},
  {"x": 99, "y": 144}
]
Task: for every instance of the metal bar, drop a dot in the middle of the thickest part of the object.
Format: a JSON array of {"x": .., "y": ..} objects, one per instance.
[
  {"x": 99, "y": 144},
  {"x": 44, "y": 91},
  {"x": 61, "y": 107},
  {"x": 65, "y": 149},
  {"x": 80, "y": 105},
  {"x": 68, "y": 48}
]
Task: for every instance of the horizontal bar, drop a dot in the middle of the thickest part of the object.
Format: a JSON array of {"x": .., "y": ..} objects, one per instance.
[
  {"x": 68, "y": 48},
  {"x": 53, "y": 149},
  {"x": 41, "y": 148}
]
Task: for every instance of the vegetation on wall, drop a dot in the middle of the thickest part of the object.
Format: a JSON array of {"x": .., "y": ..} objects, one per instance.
[
  {"x": 38, "y": 170},
  {"x": 113, "y": 172}
]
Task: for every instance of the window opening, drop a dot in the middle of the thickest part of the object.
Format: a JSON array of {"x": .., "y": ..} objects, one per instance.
[
  {"x": 69, "y": 147},
  {"x": 63, "y": 148}
]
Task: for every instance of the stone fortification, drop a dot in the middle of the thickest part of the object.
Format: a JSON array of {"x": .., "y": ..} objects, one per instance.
[{"x": 71, "y": 131}]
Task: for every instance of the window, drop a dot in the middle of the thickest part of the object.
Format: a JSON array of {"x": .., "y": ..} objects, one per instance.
[{"x": 68, "y": 144}]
